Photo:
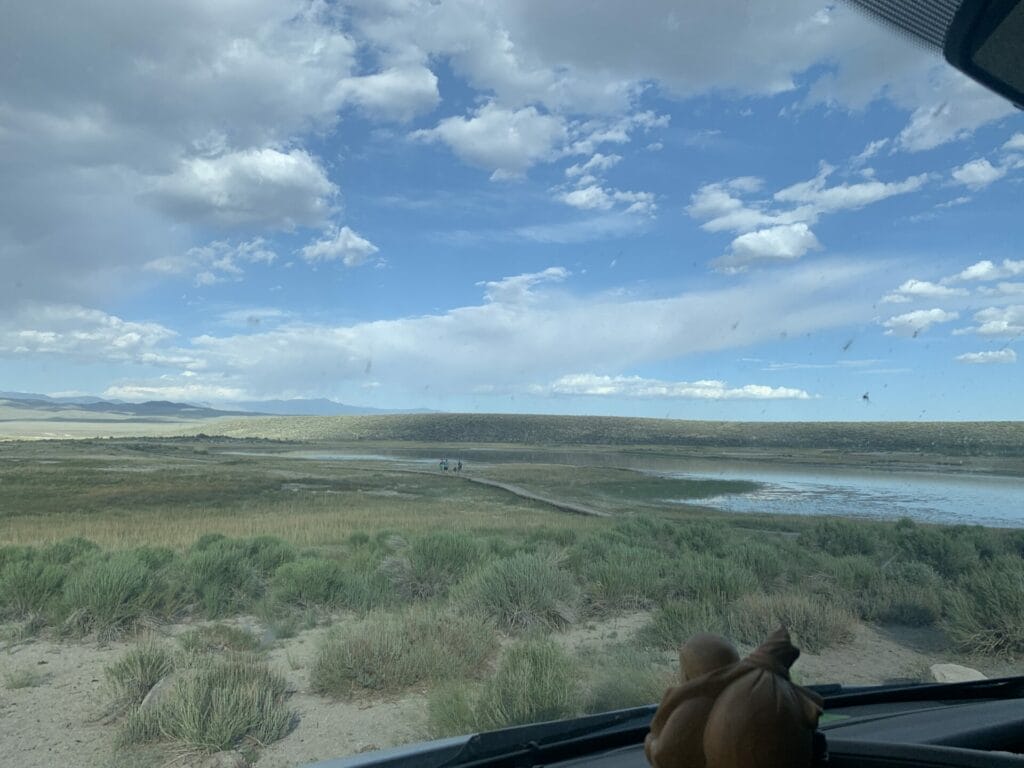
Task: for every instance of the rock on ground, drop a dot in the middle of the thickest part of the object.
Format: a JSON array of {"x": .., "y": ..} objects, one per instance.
[{"x": 954, "y": 673}]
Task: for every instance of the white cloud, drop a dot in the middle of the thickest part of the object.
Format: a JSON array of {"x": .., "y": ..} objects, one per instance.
[
  {"x": 872, "y": 149},
  {"x": 177, "y": 389},
  {"x": 921, "y": 289},
  {"x": 588, "y": 198},
  {"x": 999, "y": 321},
  {"x": 949, "y": 107},
  {"x": 215, "y": 262},
  {"x": 990, "y": 356},
  {"x": 785, "y": 220},
  {"x": 784, "y": 242},
  {"x": 516, "y": 289},
  {"x": 264, "y": 188},
  {"x": 520, "y": 334},
  {"x": 985, "y": 270},
  {"x": 86, "y": 335},
  {"x": 1015, "y": 142},
  {"x": 977, "y": 174},
  {"x": 340, "y": 244},
  {"x": 507, "y": 142},
  {"x": 637, "y": 387},
  {"x": 596, "y": 164},
  {"x": 398, "y": 93},
  {"x": 97, "y": 110},
  {"x": 824, "y": 199},
  {"x": 918, "y": 321}
]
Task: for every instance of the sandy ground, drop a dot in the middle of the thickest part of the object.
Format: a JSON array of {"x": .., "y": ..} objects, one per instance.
[{"x": 61, "y": 721}]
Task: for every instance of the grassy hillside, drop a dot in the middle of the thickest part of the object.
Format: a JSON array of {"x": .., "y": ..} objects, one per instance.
[{"x": 944, "y": 438}]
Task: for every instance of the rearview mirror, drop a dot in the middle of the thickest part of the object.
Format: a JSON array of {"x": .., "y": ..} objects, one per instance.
[{"x": 985, "y": 41}]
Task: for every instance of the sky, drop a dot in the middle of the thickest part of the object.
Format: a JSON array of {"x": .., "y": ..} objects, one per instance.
[{"x": 705, "y": 210}]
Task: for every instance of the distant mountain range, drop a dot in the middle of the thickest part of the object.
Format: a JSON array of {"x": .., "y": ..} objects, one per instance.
[
  {"x": 31, "y": 401},
  {"x": 314, "y": 407}
]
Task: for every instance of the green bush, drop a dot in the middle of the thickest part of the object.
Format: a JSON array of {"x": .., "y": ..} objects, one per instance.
[
  {"x": 839, "y": 537},
  {"x": 137, "y": 671},
  {"x": 218, "y": 637},
  {"x": 522, "y": 592},
  {"x": 986, "y": 612},
  {"x": 67, "y": 551},
  {"x": 703, "y": 577},
  {"x": 393, "y": 651},
  {"x": 625, "y": 676},
  {"x": 767, "y": 563},
  {"x": 312, "y": 582},
  {"x": 950, "y": 554},
  {"x": 432, "y": 565},
  {"x": 28, "y": 585},
  {"x": 220, "y": 578},
  {"x": 703, "y": 536},
  {"x": 677, "y": 621},
  {"x": 113, "y": 593},
  {"x": 215, "y": 705},
  {"x": 814, "y": 622},
  {"x": 624, "y": 577},
  {"x": 536, "y": 681}
]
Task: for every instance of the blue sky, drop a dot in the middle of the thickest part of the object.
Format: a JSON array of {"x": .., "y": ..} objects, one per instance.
[{"x": 692, "y": 211}]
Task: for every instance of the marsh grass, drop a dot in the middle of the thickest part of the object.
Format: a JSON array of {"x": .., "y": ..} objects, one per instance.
[
  {"x": 625, "y": 676},
  {"x": 986, "y": 611},
  {"x": 219, "y": 637},
  {"x": 22, "y": 677},
  {"x": 814, "y": 623},
  {"x": 140, "y": 668},
  {"x": 676, "y": 620},
  {"x": 536, "y": 680},
  {"x": 216, "y": 703},
  {"x": 388, "y": 652},
  {"x": 522, "y": 592}
]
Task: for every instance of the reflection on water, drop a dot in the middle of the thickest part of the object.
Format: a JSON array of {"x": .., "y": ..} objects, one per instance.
[{"x": 997, "y": 501}]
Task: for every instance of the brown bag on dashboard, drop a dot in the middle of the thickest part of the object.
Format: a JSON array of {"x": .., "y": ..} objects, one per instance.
[{"x": 735, "y": 714}]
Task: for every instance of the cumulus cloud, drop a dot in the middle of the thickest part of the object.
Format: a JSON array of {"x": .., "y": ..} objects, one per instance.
[
  {"x": 1015, "y": 142},
  {"x": 990, "y": 356},
  {"x": 779, "y": 228},
  {"x": 999, "y": 321},
  {"x": 340, "y": 244},
  {"x": 85, "y": 335},
  {"x": 506, "y": 142},
  {"x": 637, "y": 387},
  {"x": 784, "y": 242},
  {"x": 918, "y": 321},
  {"x": 215, "y": 262},
  {"x": 263, "y": 187},
  {"x": 977, "y": 174},
  {"x": 98, "y": 109},
  {"x": 397, "y": 93},
  {"x": 986, "y": 270},
  {"x": 921, "y": 289}
]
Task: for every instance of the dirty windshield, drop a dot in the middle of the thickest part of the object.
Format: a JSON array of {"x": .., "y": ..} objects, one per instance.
[{"x": 375, "y": 372}]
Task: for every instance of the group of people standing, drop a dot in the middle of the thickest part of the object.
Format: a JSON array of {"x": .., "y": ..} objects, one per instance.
[{"x": 445, "y": 466}]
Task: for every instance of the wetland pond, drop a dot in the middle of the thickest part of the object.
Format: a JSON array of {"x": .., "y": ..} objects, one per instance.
[{"x": 928, "y": 496}]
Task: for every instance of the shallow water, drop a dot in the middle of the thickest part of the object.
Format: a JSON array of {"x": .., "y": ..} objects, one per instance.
[
  {"x": 932, "y": 497},
  {"x": 928, "y": 496}
]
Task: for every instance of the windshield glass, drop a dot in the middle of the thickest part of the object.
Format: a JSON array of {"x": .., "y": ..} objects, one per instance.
[{"x": 380, "y": 371}]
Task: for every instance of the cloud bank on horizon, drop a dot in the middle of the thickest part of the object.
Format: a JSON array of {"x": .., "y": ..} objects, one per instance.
[{"x": 709, "y": 211}]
